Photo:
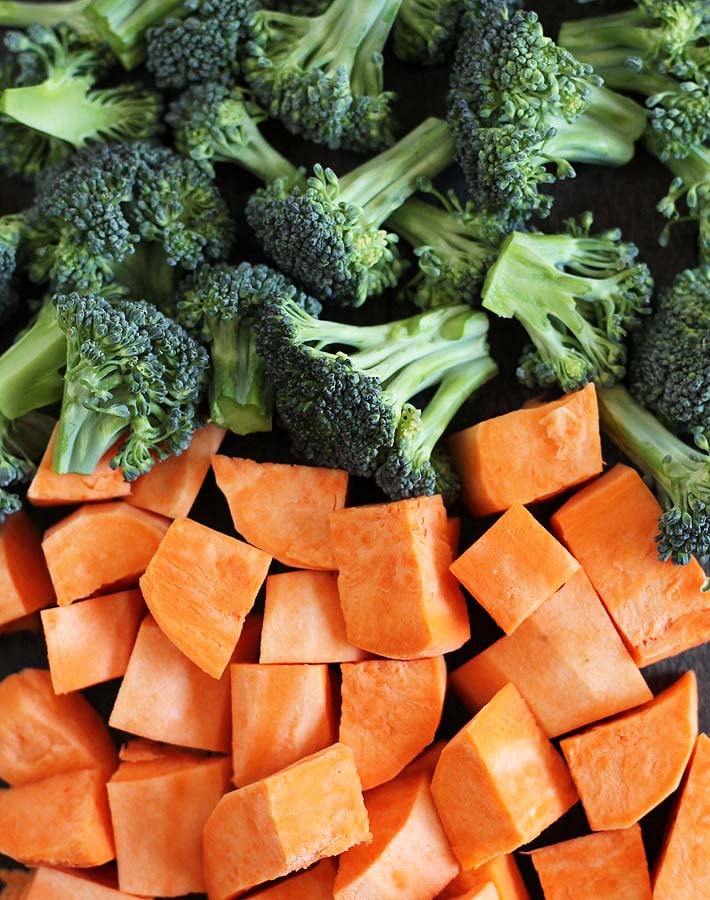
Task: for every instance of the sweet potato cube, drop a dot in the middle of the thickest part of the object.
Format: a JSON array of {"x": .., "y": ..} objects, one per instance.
[
  {"x": 315, "y": 883},
  {"x": 55, "y": 884},
  {"x": 25, "y": 585},
  {"x": 501, "y": 871}
]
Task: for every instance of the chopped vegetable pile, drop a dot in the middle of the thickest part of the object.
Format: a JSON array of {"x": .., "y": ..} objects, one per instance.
[{"x": 354, "y": 502}]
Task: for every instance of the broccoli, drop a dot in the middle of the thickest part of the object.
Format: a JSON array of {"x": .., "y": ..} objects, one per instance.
[
  {"x": 322, "y": 76},
  {"x": 11, "y": 227},
  {"x": 219, "y": 304},
  {"x": 342, "y": 409},
  {"x": 680, "y": 472},
  {"x": 425, "y": 31},
  {"x": 577, "y": 295},
  {"x": 670, "y": 361},
  {"x": 54, "y": 106},
  {"x": 216, "y": 123},
  {"x": 543, "y": 106},
  {"x": 121, "y": 24},
  {"x": 327, "y": 237},
  {"x": 105, "y": 216},
  {"x": 454, "y": 244},
  {"x": 300, "y": 7},
  {"x": 22, "y": 442}
]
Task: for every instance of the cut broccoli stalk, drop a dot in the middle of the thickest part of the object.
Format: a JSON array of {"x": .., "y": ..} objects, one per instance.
[
  {"x": 22, "y": 15},
  {"x": 681, "y": 473},
  {"x": 576, "y": 295},
  {"x": 240, "y": 396}
]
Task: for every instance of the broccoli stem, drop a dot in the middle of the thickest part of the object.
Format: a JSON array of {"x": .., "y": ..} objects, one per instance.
[
  {"x": 255, "y": 153},
  {"x": 123, "y": 24},
  {"x": 21, "y": 15},
  {"x": 422, "y": 224},
  {"x": 629, "y": 28},
  {"x": 383, "y": 183},
  {"x": 612, "y": 65},
  {"x": 366, "y": 79},
  {"x": 30, "y": 370},
  {"x": 84, "y": 435},
  {"x": 615, "y": 112}
]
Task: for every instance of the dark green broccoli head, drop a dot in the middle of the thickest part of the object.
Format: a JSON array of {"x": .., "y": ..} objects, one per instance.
[
  {"x": 670, "y": 363},
  {"x": 11, "y": 227},
  {"x": 425, "y": 31}
]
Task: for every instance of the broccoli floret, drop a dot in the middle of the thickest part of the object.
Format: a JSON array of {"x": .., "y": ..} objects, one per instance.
[
  {"x": 425, "y": 31},
  {"x": 545, "y": 107},
  {"x": 454, "y": 244},
  {"x": 22, "y": 442},
  {"x": 342, "y": 408},
  {"x": 322, "y": 76},
  {"x": 219, "y": 305},
  {"x": 215, "y": 123},
  {"x": 92, "y": 212},
  {"x": 133, "y": 376},
  {"x": 11, "y": 227},
  {"x": 415, "y": 465},
  {"x": 299, "y": 7},
  {"x": 577, "y": 295},
  {"x": 670, "y": 361},
  {"x": 54, "y": 106},
  {"x": 681, "y": 473},
  {"x": 328, "y": 236}
]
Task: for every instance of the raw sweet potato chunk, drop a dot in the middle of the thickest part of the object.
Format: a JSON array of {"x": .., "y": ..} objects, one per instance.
[
  {"x": 390, "y": 711},
  {"x": 100, "y": 548},
  {"x": 683, "y": 867},
  {"x": 398, "y": 597},
  {"x": 50, "y": 489},
  {"x": 165, "y": 697},
  {"x": 501, "y": 871},
  {"x": 625, "y": 767},
  {"x": 303, "y": 620},
  {"x": 60, "y": 821},
  {"x": 158, "y": 809},
  {"x": 283, "y": 823},
  {"x": 529, "y": 454},
  {"x": 486, "y": 891},
  {"x": 199, "y": 586},
  {"x": 499, "y": 782},
  {"x": 279, "y": 715},
  {"x": 315, "y": 883},
  {"x": 283, "y": 509},
  {"x": 409, "y": 855},
  {"x": 43, "y": 734},
  {"x": 90, "y": 642},
  {"x": 609, "y": 526},
  {"x": 53, "y": 884},
  {"x": 608, "y": 864},
  {"x": 171, "y": 486},
  {"x": 25, "y": 585},
  {"x": 514, "y": 567},
  {"x": 566, "y": 659}
]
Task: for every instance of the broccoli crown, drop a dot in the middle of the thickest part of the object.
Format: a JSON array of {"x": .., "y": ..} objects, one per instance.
[
  {"x": 425, "y": 31},
  {"x": 133, "y": 376},
  {"x": 681, "y": 474},
  {"x": 91, "y": 212},
  {"x": 341, "y": 408},
  {"x": 327, "y": 236},
  {"x": 52, "y": 105},
  {"x": 577, "y": 295},
  {"x": 322, "y": 75},
  {"x": 11, "y": 227},
  {"x": 217, "y": 123},
  {"x": 203, "y": 47},
  {"x": 670, "y": 362}
]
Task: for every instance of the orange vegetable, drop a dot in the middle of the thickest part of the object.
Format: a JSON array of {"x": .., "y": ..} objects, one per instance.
[
  {"x": 90, "y": 642},
  {"x": 409, "y": 855},
  {"x": 315, "y": 883},
  {"x": 487, "y": 891},
  {"x": 165, "y": 697},
  {"x": 44, "y": 735},
  {"x": 100, "y": 548},
  {"x": 657, "y": 607},
  {"x": 609, "y": 865},
  {"x": 279, "y": 715},
  {"x": 303, "y": 620},
  {"x": 426, "y": 761},
  {"x": 50, "y": 489},
  {"x": 53, "y": 884},
  {"x": 16, "y": 883},
  {"x": 566, "y": 659},
  {"x": 398, "y": 597},
  {"x": 501, "y": 871},
  {"x": 625, "y": 767},
  {"x": 283, "y": 509},
  {"x": 62, "y": 820},
  {"x": 499, "y": 782},
  {"x": 683, "y": 866},
  {"x": 284, "y": 823},
  {"x": 529, "y": 454},
  {"x": 158, "y": 808},
  {"x": 391, "y": 709},
  {"x": 25, "y": 585},
  {"x": 199, "y": 586},
  {"x": 514, "y": 567},
  {"x": 171, "y": 486}
]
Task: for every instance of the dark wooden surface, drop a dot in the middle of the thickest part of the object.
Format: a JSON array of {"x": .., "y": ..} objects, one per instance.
[{"x": 625, "y": 197}]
